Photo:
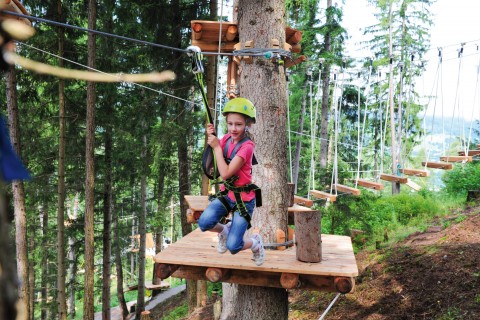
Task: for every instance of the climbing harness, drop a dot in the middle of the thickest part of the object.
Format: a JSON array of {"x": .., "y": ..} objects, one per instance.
[{"x": 230, "y": 186}]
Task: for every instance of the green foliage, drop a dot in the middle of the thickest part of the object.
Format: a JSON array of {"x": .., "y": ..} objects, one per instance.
[
  {"x": 177, "y": 313},
  {"x": 462, "y": 178}
]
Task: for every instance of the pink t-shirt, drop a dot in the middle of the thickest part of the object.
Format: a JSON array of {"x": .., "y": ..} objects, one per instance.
[{"x": 245, "y": 173}]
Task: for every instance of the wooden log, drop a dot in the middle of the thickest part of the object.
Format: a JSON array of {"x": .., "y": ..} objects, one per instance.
[
  {"x": 343, "y": 284},
  {"x": 163, "y": 270},
  {"x": 347, "y": 189},
  {"x": 296, "y": 48},
  {"x": 295, "y": 38},
  {"x": 290, "y": 280},
  {"x": 438, "y": 165},
  {"x": 294, "y": 62},
  {"x": 231, "y": 79},
  {"x": 302, "y": 201},
  {"x": 232, "y": 32},
  {"x": 456, "y": 159},
  {"x": 145, "y": 315},
  {"x": 290, "y": 235},
  {"x": 370, "y": 184},
  {"x": 296, "y": 208},
  {"x": 323, "y": 195},
  {"x": 393, "y": 178},
  {"x": 415, "y": 172},
  {"x": 197, "y": 31},
  {"x": 190, "y": 216},
  {"x": 280, "y": 234},
  {"x": 237, "y": 46},
  {"x": 471, "y": 153},
  {"x": 308, "y": 240},
  {"x": 291, "y": 194},
  {"x": 217, "y": 274}
]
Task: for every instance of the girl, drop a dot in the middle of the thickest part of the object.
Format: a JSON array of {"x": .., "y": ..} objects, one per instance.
[{"x": 234, "y": 155}]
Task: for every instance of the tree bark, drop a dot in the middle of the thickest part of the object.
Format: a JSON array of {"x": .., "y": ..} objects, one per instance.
[
  {"x": 119, "y": 269},
  {"x": 61, "y": 294},
  {"x": 88, "y": 302},
  {"x": 142, "y": 232},
  {"x": 325, "y": 95},
  {"x": 44, "y": 266},
  {"x": 18, "y": 194},
  {"x": 263, "y": 82}
]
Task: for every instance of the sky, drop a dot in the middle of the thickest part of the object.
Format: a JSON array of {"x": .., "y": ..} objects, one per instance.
[{"x": 455, "y": 22}]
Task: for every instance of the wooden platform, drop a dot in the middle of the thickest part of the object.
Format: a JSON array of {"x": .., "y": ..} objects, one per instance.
[
  {"x": 438, "y": 165},
  {"x": 195, "y": 255},
  {"x": 415, "y": 172},
  {"x": 393, "y": 178},
  {"x": 471, "y": 153},
  {"x": 370, "y": 184},
  {"x": 456, "y": 159},
  {"x": 197, "y": 204},
  {"x": 323, "y": 195},
  {"x": 347, "y": 189}
]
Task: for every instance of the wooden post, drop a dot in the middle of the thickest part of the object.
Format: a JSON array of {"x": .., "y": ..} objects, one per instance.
[
  {"x": 217, "y": 274},
  {"x": 308, "y": 236},
  {"x": 163, "y": 270},
  {"x": 291, "y": 194},
  {"x": 145, "y": 315},
  {"x": 290, "y": 280},
  {"x": 343, "y": 284}
]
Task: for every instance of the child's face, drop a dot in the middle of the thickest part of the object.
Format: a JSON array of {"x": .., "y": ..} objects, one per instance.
[{"x": 236, "y": 125}]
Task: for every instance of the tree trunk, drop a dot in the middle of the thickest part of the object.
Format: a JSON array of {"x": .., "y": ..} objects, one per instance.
[
  {"x": 142, "y": 231},
  {"x": 107, "y": 223},
  {"x": 61, "y": 294},
  {"x": 18, "y": 193},
  {"x": 298, "y": 145},
  {"x": 8, "y": 274},
  {"x": 44, "y": 266},
  {"x": 72, "y": 258},
  {"x": 31, "y": 274},
  {"x": 88, "y": 296},
  {"x": 119, "y": 269},
  {"x": 325, "y": 94},
  {"x": 263, "y": 82}
]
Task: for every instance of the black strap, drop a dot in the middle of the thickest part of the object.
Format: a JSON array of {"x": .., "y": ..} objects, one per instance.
[{"x": 235, "y": 150}]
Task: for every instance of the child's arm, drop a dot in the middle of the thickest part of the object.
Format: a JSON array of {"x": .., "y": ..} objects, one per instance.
[{"x": 226, "y": 170}]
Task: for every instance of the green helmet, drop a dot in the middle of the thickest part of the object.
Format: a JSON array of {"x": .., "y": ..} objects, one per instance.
[{"x": 240, "y": 105}]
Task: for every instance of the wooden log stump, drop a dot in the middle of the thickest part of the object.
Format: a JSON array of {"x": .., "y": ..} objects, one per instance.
[
  {"x": 291, "y": 194},
  {"x": 163, "y": 270},
  {"x": 217, "y": 274},
  {"x": 308, "y": 239},
  {"x": 290, "y": 280},
  {"x": 145, "y": 315},
  {"x": 343, "y": 284}
]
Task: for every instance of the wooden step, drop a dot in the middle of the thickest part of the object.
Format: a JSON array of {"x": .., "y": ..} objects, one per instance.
[
  {"x": 393, "y": 178},
  {"x": 347, "y": 189},
  {"x": 415, "y": 172},
  {"x": 413, "y": 185},
  {"x": 369, "y": 184},
  {"x": 303, "y": 201},
  {"x": 323, "y": 195},
  {"x": 438, "y": 165},
  {"x": 456, "y": 159},
  {"x": 471, "y": 153}
]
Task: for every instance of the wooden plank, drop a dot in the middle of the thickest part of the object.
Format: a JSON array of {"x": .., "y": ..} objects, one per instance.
[
  {"x": 370, "y": 184},
  {"x": 393, "y": 178},
  {"x": 415, "y": 172},
  {"x": 347, "y": 189},
  {"x": 199, "y": 249},
  {"x": 323, "y": 195},
  {"x": 302, "y": 201},
  {"x": 456, "y": 159},
  {"x": 413, "y": 185},
  {"x": 471, "y": 153},
  {"x": 438, "y": 165},
  {"x": 197, "y": 203}
]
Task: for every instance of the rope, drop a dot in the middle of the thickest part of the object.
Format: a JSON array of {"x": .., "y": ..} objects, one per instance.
[{"x": 329, "y": 306}]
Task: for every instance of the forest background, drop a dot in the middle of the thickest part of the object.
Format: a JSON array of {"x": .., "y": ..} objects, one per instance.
[{"x": 117, "y": 159}]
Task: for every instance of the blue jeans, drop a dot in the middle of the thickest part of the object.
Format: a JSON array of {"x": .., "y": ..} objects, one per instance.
[{"x": 216, "y": 211}]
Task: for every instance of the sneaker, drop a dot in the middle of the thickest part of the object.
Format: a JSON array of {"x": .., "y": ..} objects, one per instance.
[
  {"x": 222, "y": 239},
  {"x": 259, "y": 254}
]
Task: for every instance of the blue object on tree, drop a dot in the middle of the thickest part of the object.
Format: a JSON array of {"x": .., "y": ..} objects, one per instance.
[{"x": 11, "y": 166}]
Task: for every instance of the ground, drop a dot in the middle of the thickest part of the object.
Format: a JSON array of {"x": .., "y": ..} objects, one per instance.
[{"x": 430, "y": 275}]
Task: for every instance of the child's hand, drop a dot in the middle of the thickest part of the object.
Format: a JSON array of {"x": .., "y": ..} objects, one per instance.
[{"x": 212, "y": 140}]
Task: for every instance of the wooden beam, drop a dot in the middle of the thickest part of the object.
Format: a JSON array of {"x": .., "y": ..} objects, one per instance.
[
  {"x": 323, "y": 195},
  {"x": 471, "y": 153},
  {"x": 347, "y": 189},
  {"x": 393, "y": 178},
  {"x": 273, "y": 280},
  {"x": 456, "y": 158},
  {"x": 415, "y": 172},
  {"x": 370, "y": 184},
  {"x": 294, "y": 62},
  {"x": 438, "y": 165},
  {"x": 413, "y": 185},
  {"x": 302, "y": 201},
  {"x": 217, "y": 274}
]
